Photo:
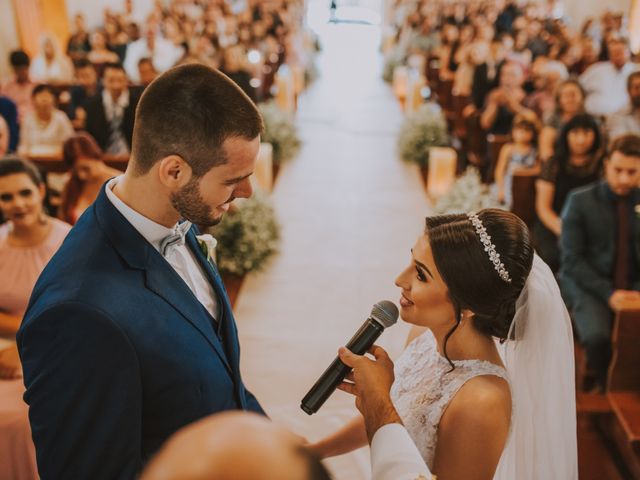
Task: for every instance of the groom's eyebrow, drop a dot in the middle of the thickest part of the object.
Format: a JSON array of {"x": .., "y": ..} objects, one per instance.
[{"x": 422, "y": 265}]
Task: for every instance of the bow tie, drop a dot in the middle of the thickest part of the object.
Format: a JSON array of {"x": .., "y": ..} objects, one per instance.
[{"x": 176, "y": 238}]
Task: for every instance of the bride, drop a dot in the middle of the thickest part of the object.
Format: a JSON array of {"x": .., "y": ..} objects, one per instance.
[{"x": 485, "y": 386}]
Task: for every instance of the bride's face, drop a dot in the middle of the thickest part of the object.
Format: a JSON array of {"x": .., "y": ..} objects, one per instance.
[{"x": 425, "y": 300}]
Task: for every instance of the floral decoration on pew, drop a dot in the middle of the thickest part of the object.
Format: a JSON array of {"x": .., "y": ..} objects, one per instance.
[
  {"x": 423, "y": 129},
  {"x": 281, "y": 132},
  {"x": 468, "y": 194}
]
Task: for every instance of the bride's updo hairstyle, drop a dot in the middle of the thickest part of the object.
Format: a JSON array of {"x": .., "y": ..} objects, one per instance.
[{"x": 474, "y": 282}]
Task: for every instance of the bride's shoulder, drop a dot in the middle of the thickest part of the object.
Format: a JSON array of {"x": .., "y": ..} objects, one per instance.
[
  {"x": 482, "y": 400},
  {"x": 474, "y": 428}
]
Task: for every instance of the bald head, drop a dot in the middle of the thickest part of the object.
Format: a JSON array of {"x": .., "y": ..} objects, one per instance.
[{"x": 234, "y": 446}]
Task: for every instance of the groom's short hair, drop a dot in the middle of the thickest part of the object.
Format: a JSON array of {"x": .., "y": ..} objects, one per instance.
[{"x": 190, "y": 111}]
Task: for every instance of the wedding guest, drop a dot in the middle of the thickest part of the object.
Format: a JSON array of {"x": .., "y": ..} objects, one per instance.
[
  {"x": 27, "y": 241},
  {"x": 234, "y": 446},
  {"x": 605, "y": 82},
  {"x": 86, "y": 87},
  {"x": 9, "y": 114},
  {"x": 51, "y": 65},
  {"x": 487, "y": 73},
  {"x": 20, "y": 87},
  {"x": 88, "y": 173},
  {"x": 147, "y": 71},
  {"x": 100, "y": 54},
  {"x": 569, "y": 102},
  {"x": 518, "y": 156},
  {"x": 543, "y": 101},
  {"x": 46, "y": 128},
  {"x": 575, "y": 163},
  {"x": 600, "y": 258},
  {"x": 4, "y": 137},
  {"x": 162, "y": 52},
  {"x": 78, "y": 45},
  {"x": 627, "y": 120},
  {"x": 110, "y": 114},
  {"x": 234, "y": 66},
  {"x": 505, "y": 101}
]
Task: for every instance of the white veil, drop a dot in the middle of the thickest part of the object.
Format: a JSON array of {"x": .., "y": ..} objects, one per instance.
[{"x": 539, "y": 359}]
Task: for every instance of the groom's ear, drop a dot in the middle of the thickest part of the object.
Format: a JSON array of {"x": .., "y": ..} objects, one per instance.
[{"x": 173, "y": 172}]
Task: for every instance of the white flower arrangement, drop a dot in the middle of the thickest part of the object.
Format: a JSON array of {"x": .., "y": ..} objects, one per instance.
[
  {"x": 280, "y": 131},
  {"x": 393, "y": 59},
  {"x": 468, "y": 194},
  {"x": 246, "y": 237},
  {"x": 423, "y": 129}
]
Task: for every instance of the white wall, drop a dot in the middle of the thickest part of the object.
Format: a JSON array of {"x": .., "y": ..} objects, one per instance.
[{"x": 9, "y": 39}]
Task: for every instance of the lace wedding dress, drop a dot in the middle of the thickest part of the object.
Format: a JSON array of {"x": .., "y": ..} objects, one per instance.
[
  {"x": 538, "y": 356},
  {"x": 423, "y": 389}
]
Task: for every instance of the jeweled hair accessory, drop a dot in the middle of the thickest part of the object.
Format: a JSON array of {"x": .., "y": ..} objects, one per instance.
[{"x": 489, "y": 247}]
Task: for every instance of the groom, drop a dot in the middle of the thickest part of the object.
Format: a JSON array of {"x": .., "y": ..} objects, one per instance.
[{"x": 129, "y": 334}]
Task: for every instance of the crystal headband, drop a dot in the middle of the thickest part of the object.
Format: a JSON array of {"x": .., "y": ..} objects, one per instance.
[{"x": 489, "y": 247}]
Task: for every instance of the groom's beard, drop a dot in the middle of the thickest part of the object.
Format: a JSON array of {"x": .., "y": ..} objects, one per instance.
[{"x": 189, "y": 204}]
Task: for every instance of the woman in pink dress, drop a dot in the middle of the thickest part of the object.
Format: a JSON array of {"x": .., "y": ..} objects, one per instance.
[{"x": 28, "y": 240}]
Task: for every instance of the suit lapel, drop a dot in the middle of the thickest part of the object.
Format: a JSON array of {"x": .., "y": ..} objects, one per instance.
[
  {"x": 226, "y": 323},
  {"x": 160, "y": 277},
  {"x": 163, "y": 280}
]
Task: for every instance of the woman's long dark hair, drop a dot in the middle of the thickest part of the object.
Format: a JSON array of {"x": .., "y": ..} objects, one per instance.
[
  {"x": 469, "y": 274},
  {"x": 79, "y": 145},
  {"x": 582, "y": 121}
]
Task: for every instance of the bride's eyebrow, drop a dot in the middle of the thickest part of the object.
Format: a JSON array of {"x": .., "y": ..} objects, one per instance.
[{"x": 421, "y": 265}]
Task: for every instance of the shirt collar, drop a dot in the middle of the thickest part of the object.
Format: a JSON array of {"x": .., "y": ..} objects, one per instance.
[
  {"x": 153, "y": 232},
  {"x": 122, "y": 102}
]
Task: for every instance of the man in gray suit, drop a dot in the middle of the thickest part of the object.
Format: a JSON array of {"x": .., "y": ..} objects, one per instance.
[{"x": 600, "y": 251}]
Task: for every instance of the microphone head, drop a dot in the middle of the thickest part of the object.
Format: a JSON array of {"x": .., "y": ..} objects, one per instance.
[{"x": 385, "y": 313}]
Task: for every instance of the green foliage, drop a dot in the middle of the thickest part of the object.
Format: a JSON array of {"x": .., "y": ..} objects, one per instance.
[
  {"x": 280, "y": 131},
  {"x": 247, "y": 237},
  {"x": 422, "y": 130}
]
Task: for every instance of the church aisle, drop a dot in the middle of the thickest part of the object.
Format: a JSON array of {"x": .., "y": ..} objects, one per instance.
[{"x": 350, "y": 212}]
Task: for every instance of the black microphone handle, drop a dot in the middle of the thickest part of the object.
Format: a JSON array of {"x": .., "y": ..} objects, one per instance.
[{"x": 364, "y": 338}]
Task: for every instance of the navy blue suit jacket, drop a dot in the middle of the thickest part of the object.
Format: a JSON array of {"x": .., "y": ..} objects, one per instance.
[
  {"x": 588, "y": 241},
  {"x": 118, "y": 353}
]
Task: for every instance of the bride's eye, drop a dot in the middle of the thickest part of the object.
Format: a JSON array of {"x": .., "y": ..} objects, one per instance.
[{"x": 421, "y": 276}]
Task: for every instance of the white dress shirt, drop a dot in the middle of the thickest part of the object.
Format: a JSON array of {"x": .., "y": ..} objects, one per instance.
[
  {"x": 164, "y": 56},
  {"x": 115, "y": 108},
  {"x": 624, "y": 121},
  {"x": 179, "y": 256},
  {"x": 394, "y": 456},
  {"x": 606, "y": 87},
  {"x": 38, "y": 138}
]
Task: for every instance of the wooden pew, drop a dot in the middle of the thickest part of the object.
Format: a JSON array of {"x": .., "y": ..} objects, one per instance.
[
  {"x": 475, "y": 142},
  {"x": 444, "y": 94},
  {"x": 623, "y": 384},
  {"x": 494, "y": 145},
  {"x": 459, "y": 103},
  {"x": 523, "y": 193}
]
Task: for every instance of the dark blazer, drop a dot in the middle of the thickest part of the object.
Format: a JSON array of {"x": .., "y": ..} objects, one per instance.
[
  {"x": 118, "y": 353},
  {"x": 98, "y": 125},
  {"x": 588, "y": 240},
  {"x": 481, "y": 84},
  {"x": 9, "y": 112}
]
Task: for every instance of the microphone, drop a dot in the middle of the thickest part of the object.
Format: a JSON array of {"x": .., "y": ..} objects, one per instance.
[{"x": 383, "y": 315}]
